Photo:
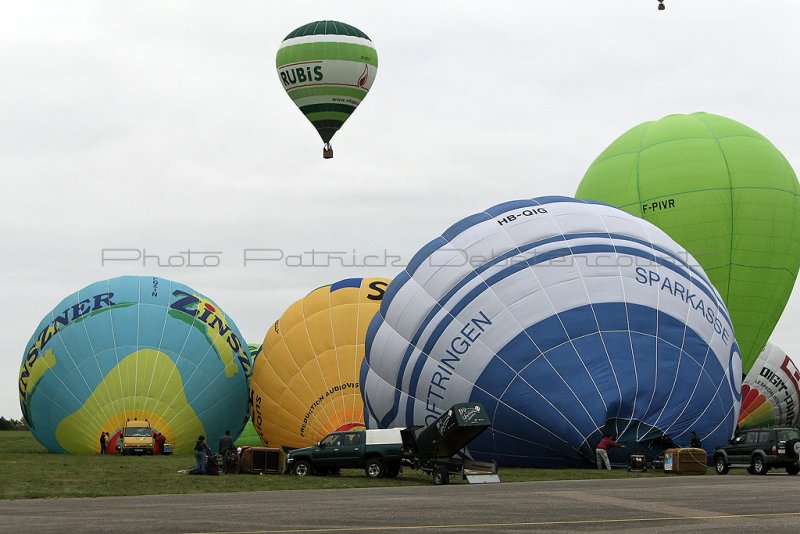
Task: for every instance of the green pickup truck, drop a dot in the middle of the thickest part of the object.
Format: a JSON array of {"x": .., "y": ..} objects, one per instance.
[{"x": 378, "y": 452}]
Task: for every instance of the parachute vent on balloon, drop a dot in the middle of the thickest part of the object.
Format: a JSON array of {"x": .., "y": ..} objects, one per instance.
[{"x": 327, "y": 27}]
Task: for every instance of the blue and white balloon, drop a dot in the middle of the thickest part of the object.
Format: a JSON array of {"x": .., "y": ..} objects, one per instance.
[{"x": 565, "y": 319}]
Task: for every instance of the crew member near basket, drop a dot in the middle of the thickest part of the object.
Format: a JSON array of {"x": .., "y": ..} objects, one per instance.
[
  {"x": 160, "y": 440},
  {"x": 226, "y": 443},
  {"x": 602, "y": 451},
  {"x": 104, "y": 442}
]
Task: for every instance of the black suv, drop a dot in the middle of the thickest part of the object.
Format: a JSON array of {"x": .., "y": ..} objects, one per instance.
[{"x": 759, "y": 450}]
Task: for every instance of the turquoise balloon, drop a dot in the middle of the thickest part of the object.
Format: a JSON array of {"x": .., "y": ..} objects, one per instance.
[{"x": 134, "y": 347}]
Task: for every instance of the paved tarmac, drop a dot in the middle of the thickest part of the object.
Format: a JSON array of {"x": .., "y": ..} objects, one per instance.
[{"x": 708, "y": 503}]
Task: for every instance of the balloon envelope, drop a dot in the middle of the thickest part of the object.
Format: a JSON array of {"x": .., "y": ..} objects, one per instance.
[
  {"x": 134, "y": 347},
  {"x": 564, "y": 319},
  {"x": 305, "y": 379},
  {"x": 727, "y": 195},
  {"x": 771, "y": 391},
  {"x": 327, "y": 68}
]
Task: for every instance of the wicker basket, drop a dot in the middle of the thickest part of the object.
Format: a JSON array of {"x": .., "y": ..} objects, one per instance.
[{"x": 685, "y": 461}]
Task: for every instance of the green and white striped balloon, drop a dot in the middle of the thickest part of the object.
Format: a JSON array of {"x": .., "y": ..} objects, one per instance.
[{"x": 327, "y": 68}]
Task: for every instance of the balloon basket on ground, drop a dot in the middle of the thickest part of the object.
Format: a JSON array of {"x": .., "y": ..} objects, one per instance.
[
  {"x": 260, "y": 460},
  {"x": 685, "y": 461}
]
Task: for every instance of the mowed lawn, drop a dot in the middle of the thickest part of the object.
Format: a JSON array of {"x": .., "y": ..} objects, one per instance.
[{"x": 28, "y": 470}]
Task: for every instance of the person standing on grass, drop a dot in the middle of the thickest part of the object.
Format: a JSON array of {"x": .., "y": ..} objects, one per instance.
[
  {"x": 161, "y": 439},
  {"x": 601, "y": 451},
  {"x": 201, "y": 451},
  {"x": 103, "y": 443},
  {"x": 226, "y": 443}
]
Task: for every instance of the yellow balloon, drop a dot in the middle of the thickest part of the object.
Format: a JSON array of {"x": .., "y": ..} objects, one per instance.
[{"x": 305, "y": 381}]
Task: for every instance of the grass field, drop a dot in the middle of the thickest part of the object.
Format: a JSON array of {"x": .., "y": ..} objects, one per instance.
[
  {"x": 248, "y": 436},
  {"x": 27, "y": 470}
]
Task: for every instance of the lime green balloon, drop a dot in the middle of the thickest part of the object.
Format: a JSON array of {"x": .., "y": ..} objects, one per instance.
[{"x": 726, "y": 194}]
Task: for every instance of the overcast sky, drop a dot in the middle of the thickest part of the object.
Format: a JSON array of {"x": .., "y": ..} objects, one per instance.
[{"x": 162, "y": 127}]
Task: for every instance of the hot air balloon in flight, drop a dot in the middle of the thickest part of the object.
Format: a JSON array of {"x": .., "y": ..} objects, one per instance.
[
  {"x": 134, "y": 347},
  {"x": 771, "y": 391},
  {"x": 305, "y": 378},
  {"x": 565, "y": 319},
  {"x": 727, "y": 195},
  {"x": 327, "y": 68}
]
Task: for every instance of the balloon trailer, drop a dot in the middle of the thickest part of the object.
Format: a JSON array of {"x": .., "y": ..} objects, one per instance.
[{"x": 436, "y": 450}]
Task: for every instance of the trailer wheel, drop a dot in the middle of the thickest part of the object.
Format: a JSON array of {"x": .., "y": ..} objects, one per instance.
[
  {"x": 441, "y": 475},
  {"x": 374, "y": 468}
]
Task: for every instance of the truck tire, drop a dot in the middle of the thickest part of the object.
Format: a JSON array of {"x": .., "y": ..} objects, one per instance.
[
  {"x": 302, "y": 468},
  {"x": 441, "y": 475},
  {"x": 374, "y": 468},
  {"x": 793, "y": 469},
  {"x": 759, "y": 467},
  {"x": 720, "y": 466}
]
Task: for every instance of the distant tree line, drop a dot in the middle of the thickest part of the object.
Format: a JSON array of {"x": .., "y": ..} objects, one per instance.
[{"x": 12, "y": 424}]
